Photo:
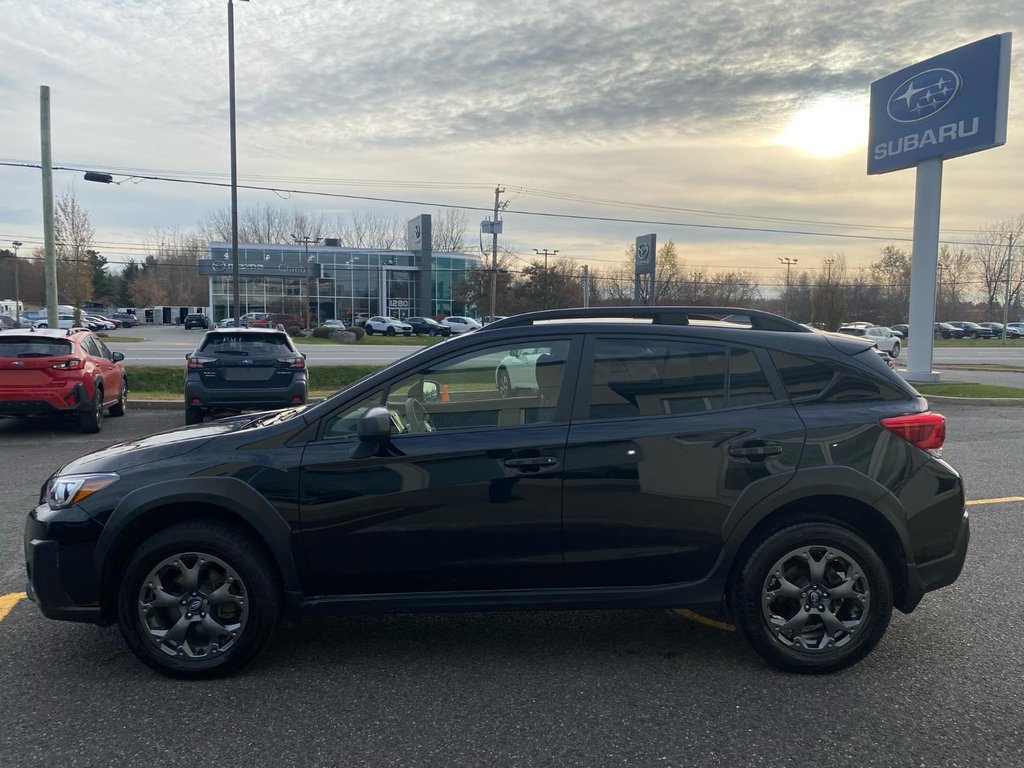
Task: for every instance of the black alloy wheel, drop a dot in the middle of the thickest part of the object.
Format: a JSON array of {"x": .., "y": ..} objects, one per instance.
[
  {"x": 813, "y": 598},
  {"x": 91, "y": 421},
  {"x": 198, "y": 599}
]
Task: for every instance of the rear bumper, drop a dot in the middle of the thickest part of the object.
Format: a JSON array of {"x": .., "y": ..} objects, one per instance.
[
  {"x": 249, "y": 398},
  {"x": 940, "y": 572},
  {"x": 36, "y": 402}
]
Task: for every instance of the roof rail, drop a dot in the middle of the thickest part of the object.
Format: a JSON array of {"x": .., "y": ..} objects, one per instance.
[{"x": 667, "y": 315}]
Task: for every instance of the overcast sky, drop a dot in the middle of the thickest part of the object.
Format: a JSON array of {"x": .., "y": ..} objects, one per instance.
[{"x": 682, "y": 110}]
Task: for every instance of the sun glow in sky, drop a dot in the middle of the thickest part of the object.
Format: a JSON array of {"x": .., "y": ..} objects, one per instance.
[{"x": 828, "y": 127}]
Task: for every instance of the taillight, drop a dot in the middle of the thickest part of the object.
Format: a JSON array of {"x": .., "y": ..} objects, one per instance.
[
  {"x": 296, "y": 361},
  {"x": 924, "y": 430},
  {"x": 71, "y": 364},
  {"x": 195, "y": 361}
]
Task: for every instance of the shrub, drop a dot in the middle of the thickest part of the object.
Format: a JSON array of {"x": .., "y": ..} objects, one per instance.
[
  {"x": 322, "y": 332},
  {"x": 359, "y": 332},
  {"x": 294, "y": 331}
]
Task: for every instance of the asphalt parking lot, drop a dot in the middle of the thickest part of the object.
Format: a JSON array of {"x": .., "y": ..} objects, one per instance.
[{"x": 623, "y": 688}]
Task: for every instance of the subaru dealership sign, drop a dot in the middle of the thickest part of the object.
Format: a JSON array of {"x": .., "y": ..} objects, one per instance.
[{"x": 950, "y": 105}]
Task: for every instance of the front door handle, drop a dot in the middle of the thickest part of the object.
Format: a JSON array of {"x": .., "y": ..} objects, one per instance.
[
  {"x": 531, "y": 462},
  {"x": 755, "y": 450}
]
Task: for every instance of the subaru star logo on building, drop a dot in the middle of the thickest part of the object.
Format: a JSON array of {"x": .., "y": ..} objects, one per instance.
[{"x": 923, "y": 95}]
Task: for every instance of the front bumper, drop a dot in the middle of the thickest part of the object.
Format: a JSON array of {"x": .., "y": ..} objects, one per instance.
[{"x": 62, "y": 576}]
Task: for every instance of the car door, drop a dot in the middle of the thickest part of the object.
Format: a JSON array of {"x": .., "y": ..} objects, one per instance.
[
  {"x": 667, "y": 433},
  {"x": 102, "y": 363},
  {"x": 467, "y": 496}
]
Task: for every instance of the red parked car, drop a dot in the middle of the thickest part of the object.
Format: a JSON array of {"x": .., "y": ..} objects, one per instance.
[{"x": 49, "y": 371}]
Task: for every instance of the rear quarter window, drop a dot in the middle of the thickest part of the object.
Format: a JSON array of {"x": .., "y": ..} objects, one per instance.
[{"x": 803, "y": 378}]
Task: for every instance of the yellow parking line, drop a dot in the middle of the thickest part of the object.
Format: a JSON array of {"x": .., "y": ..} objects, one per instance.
[
  {"x": 686, "y": 613},
  {"x": 9, "y": 601},
  {"x": 1001, "y": 500}
]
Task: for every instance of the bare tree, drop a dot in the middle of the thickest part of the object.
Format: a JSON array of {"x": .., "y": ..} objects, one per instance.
[
  {"x": 369, "y": 230},
  {"x": 177, "y": 254},
  {"x": 955, "y": 269},
  {"x": 991, "y": 261},
  {"x": 265, "y": 223},
  {"x": 448, "y": 230},
  {"x": 73, "y": 235}
]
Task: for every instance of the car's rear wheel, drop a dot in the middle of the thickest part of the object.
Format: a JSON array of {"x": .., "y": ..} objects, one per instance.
[
  {"x": 896, "y": 349},
  {"x": 119, "y": 408},
  {"x": 91, "y": 421},
  {"x": 504, "y": 384},
  {"x": 198, "y": 600},
  {"x": 193, "y": 415},
  {"x": 814, "y": 598}
]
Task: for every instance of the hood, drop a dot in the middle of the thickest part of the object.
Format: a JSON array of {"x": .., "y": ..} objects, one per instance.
[{"x": 143, "y": 450}]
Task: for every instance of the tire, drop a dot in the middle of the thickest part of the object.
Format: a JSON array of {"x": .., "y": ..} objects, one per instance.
[
  {"x": 369, "y": 330},
  {"x": 432, "y": 332},
  {"x": 759, "y": 598},
  {"x": 974, "y": 335},
  {"x": 119, "y": 408},
  {"x": 91, "y": 421},
  {"x": 42, "y": 325},
  {"x": 896, "y": 350},
  {"x": 390, "y": 331},
  {"x": 193, "y": 415},
  {"x": 202, "y": 566},
  {"x": 504, "y": 384}
]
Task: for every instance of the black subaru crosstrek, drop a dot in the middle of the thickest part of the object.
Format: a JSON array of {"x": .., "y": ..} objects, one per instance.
[
  {"x": 553, "y": 460},
  {"x": 243, "y": 369}
]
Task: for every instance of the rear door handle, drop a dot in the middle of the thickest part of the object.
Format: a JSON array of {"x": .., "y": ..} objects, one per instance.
[
  {"x": 755, "y": 450},
  {"x": 532, "y": 462}
]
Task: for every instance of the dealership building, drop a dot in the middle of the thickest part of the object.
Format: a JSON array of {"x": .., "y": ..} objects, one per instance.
[{"x": 329, "y": 281}]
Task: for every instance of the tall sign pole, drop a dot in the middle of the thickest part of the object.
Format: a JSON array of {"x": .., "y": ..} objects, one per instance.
[
  {"x": 949, "y": 105},
  {"x": 236, "y": 294},
  {"x": 1006, "y": 298},
  {"x": 48, "y": 239},
  {"x": 646, "y": 254}
]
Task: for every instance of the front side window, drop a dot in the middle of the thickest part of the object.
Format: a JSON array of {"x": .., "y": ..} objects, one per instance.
[{"x": 504, "y": 385}]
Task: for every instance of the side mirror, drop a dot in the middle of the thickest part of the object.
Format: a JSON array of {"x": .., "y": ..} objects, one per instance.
[
  {"x": 117, "y": 357},
  {"x": 431, "y": 392},
  {"x": 374, "y": 432}
]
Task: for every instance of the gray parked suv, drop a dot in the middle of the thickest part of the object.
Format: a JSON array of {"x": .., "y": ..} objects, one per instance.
[{"x": 243, "y": 369}]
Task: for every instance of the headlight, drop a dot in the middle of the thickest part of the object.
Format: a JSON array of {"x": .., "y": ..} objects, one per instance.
[{"x": 66, "y": 490}]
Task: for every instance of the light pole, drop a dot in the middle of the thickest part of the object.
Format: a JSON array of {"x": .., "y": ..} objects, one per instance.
[
  {"x": 236, "y": 290},
  {"x": 789, "y": 263},
  {"x": 17, "y": 288},
  {"x": 828, "y": 267},
  {"x": 547, "y": 276}
]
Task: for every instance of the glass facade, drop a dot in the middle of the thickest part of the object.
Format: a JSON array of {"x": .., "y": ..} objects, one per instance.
[{"x": 352, "y": 281}]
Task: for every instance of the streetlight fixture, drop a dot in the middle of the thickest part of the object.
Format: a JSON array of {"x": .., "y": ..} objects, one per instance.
[
  {"x": 236, "y": 289},
  {"x": 17, "y": 288}
]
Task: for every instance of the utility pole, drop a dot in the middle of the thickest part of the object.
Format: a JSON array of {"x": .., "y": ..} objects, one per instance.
[
  {"x": 547, "y": 275},
  {"x": 789, "y": 263},
  {"x": 236, "y": 288},
  {"x": 48, "y": 239},
  {"x": 498, "y": 190},
  {"x": 586, "y": 286},
  {"x": 17, "y": 287},
  {"x": 1006, "y": 299}
]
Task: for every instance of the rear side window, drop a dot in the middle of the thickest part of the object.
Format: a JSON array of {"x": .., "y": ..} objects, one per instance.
[
  {"x": 247, "y": 343},
  {"x": 634, "y": 377},
  {"x": 34, "y": 347},
  {"x": 801, "y": 377}
]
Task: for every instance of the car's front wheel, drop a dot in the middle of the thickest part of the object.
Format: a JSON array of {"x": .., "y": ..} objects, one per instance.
[
  {"x": 198, "y": 600},
  {"x": 814, "y": 597},
  {"x": 391, "y": 330}
]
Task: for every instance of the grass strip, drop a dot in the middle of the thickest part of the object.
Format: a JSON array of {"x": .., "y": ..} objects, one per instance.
[
  {"x": 969, "y": 390},
  {"x": 160, "y": 382}
]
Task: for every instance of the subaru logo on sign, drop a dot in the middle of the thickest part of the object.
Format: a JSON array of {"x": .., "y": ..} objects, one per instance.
[{"x": 923, "y": 95}]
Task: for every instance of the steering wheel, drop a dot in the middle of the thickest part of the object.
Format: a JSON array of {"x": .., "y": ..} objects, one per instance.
[{"x": 419, "y": 419}]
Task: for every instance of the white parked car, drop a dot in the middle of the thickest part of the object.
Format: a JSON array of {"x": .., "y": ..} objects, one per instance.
[
  {"x": 388, "y": 326},
  {"x": 332, "y": 323},
  {"x": 461, "y": 324},
  {"x": 884, "y": 339},
  {"x": 63, "y": 321}
]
